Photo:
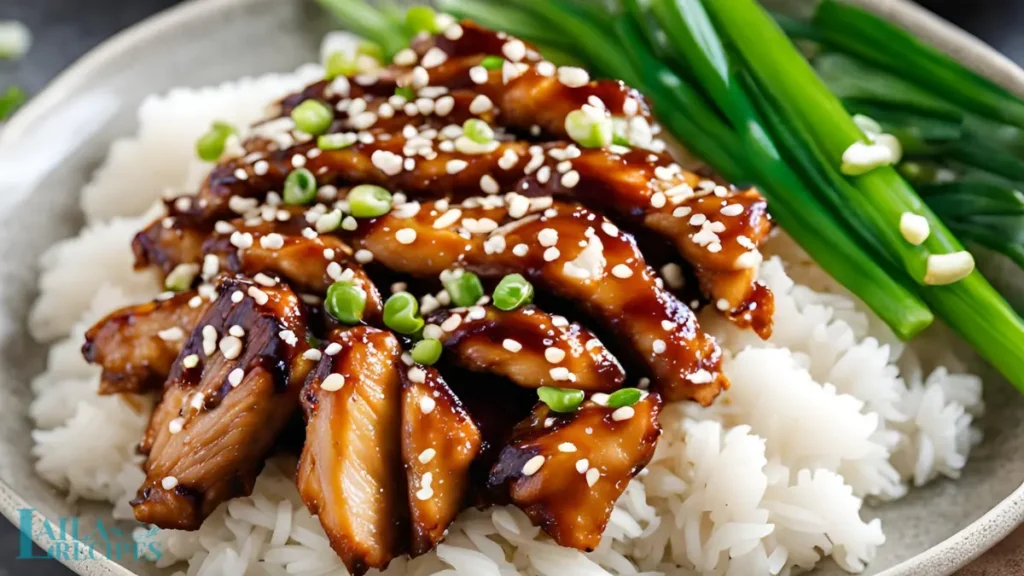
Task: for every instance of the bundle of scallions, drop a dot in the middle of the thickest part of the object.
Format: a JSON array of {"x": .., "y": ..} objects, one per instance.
[{"x": 727, "y": 82}]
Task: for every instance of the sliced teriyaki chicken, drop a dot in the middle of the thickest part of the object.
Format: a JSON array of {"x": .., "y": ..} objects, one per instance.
[
  {"x": 137, "y": 345},
  {"x": 567, "y": 470},
  {"x": 275, "y": 241},
  {"x": 571, "y": 252},
  {"x": 231, "y": 391},
  {"x": 529, "y": 347},
  {"x": 350, "y": 473},
  {"x": 439, "y": 443}
]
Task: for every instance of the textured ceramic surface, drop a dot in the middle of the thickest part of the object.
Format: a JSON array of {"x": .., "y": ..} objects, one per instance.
[{"x": 49, "y": 149}]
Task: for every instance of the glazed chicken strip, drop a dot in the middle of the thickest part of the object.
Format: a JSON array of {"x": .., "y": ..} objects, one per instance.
[
  {"x": 567, "y": 470},
  {"x": 566, "y": 250},
  {"x": 528, "y": 346},
  {"x": 439, "y": 443},
  {"x": 137, "y": 345},
  {"x": 277, "y": 241},
  {"x": 231, "y": 391},
  {"x": 350, "y": 473}
]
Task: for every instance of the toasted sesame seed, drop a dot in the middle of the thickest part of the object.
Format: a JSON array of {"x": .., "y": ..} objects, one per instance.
[
  {"x": 554, "y": 355},
  {"x": 237, "y": 296},
  {"x": 333, "y": 382},
  {"x": 511, "y": 345},
  {"x": 235, "y": 330},
  {"x": 405, "y": 57},
  {"x": 658, "y": 200},
  {"x": 264, "y": 280},
  {"x": 548, "y": 237},
  {"x": 427, "y": 403},
  {"x": 332, "y": 349},
  {"x": 514, "y": 50},
  {"x": 241, "y": 240},
  {"x": 668, "y": 325},
  {"x": 488, "y": 184},
  {"x": 599, "y": 398},
  {"x": 701, "y": 376},
  {"x": 560, "y": 373},
  {"x": 570, "y": 179},
  {"x": 455, "y": 166},
  {"x": 176, "y": 425},
  {"x": 533, "y": 465},
  {"x": 272, "y": 241},
  {"x": 425, "y": 493},
  {"x": 230, "y": 347},
  {"x": 478, "y": 74},
  {"x": 420, "y": 77},
  {"x": 722, "y": 304},
  {"x": 171, "y": 334},
  {"x": 434, "y": 58},
  {"x": 388, "y": 162},
  {"x": 623, "y": 413},
  {"x": 732, "y": 210}
]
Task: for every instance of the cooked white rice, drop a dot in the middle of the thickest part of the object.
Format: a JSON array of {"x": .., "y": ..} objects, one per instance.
[{"x": 769, "y": 480}]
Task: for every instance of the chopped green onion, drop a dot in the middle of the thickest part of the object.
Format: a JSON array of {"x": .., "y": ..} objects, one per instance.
[
  {"x": 478, "y": 131},
  {"x": 406, "y": 92},
  {"x": 10, "y": 100},
  {"x": 560, "y": 400},
  {"x": 15, "y": 40},
  {"x": 339, "y": 64},
  {"x": 299, "y": 187},
  {"x": 625, "y": 397},
  {"x": 401, "y": 313},
  {"x": 346, "y": 302},
  {"x": 421, "y": 19},
  {"x": 369, "y": 201},
  {"x": 313, "y": 117},
  {"x": 492, "y": 62},
  {"x": 512, "y": 292},
  {"x": 335, "y": 141},
  {"x": 589, "y": 130},
  {"x": 464, "y": 287},
  {"x": 371, "y": 49},
  {"x": 181, "y": 278},
  {"x": 211, "y": 145},
  {"x": 427, "y": 351}
]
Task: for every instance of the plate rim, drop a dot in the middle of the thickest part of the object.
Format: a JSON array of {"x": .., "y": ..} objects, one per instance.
[{"x": 945, "y": 557}]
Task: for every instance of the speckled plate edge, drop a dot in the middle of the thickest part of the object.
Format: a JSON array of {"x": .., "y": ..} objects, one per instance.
[{"x": 941, "y": 559}]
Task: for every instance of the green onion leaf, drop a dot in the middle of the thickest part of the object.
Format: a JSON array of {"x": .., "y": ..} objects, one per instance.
[
  {"x": 406, "y": 92},
  {"x": 299, "y": 187},
  {"x": 512, "y": 292},
  {"x": 346, "y": 302},
  {"x": 561, "y": 400},
  {"x": 401, "y": 313},
  {"x": 369, "y": 201},
  {"x": 427, "y": 351},
  {"x": 421, "y": 19},
  {"x": 313, "y": 117},
  {"x": 625, "y": 397},
  {"x": 464, "y": 287}
]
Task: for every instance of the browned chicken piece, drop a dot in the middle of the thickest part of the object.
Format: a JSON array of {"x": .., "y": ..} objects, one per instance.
[
  {"x": 231, "y": 391},
  {"x": 285, "y": 247},
  {"x": 439, "y": 443},
  {"x": 137, "y": 345},
  {"x": 571, "y": 252},
  {"x": 567, "y": 470},
  {"x": 529, "y": 347},
  {"x": 165, "y": 243},
  {"x": 350, "y": 474}
]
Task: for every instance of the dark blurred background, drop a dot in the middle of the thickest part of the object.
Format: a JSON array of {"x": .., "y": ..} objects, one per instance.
[{"x": 63, "y": 30}]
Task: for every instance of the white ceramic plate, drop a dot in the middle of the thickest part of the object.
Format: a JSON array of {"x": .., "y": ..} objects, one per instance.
[{"x": 48, "y": 150}]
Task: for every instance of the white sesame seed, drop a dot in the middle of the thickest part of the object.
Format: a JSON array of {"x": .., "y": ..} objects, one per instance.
[
  {"x": 298, "y": 161},
  {"x": 425, "y": 493},
  {"x": 312, "y": 354},
  {"x": 176, "y": 425},
  {"x": 732, "y": 210},
  {"x": 478, "y": 74},
  {"x": 241, "y": 174},
  {"x": 488, "y": 184},
  {"x": 169, "y": 482},
  {"x": 508, "y": 159},
  {"x": 570, "y": 179},
  {"x": 622, "y": 271},
  {"x": 455, "y": 166},
  {"x": 533, "y": 465},
  {"x": 418, "y": 375},
  {"x": 723, "y": 304},
  {"x": 332, "y": 349},
  {"x": 551, "y": 254},
  {"x": 546, "y": 69},
  {"x": 309, "y": 233},
  {"x": 554, "y": 355},
  {"x": 333, "y": 382},
  {"x": 600, "y": 398},
  {"x": 701, "y": 376},
  {"x": 433, "y": 331},
  {"x": 544, "y": 174},
  {"x": 520, "y": 250},
  {"x": 427, "y": 455},
  {"x": 349, "y": 223},
  {"x": 237, "y": 296},
  {"x": 567, "y": 447},
  {"x": 190, "y": 361},
  {"x": 434, "y": 58},
  {"x": 405, "y": 57},
  {"x": 405, "y": 236},
  {"x": 171, "y": 334},
  {"x": 453, "y": 32},
  {"x": 272, "y": 241},
  {"x": 241, "y": 240},
  {"x": 420, "y": 77},
  {"x": 480, "y": 104},
  {"x": 235, "y": 377},
  {"x": 258, "y": 295},
  {"x": 658, "y": 200},
  {"x": 364, "y": 256},
  {"x": 388, "y": 162},
  {"x": 559, "y": 321},
  {"x": 593, "y": 475},
  {"x": 264, "y": 280},
  {"x": 288, "y": 337},
  {"x": 658, "y": 346},
  {"x": 447, "y": 219},
  {"x": 572, "y": 76},
  {"x": 548, "y": 237},
  {"x": 559, "y": 373},
  {"x": 623, "y": 413},
  {"x": 668, "y": 325},
  {"x": 582, "y": 464},
  {"x": 236, "y": 331},
  {"x": 514, "y": 50},
  {"x": 444, "y": 105},
  {"x": 427, "y": 403},
  {"x": 451, "y": 323},
  {"x": 511, "y": 345},
  {"x": 230, "y": 347},
  {"x": 425, "y": 106}
]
